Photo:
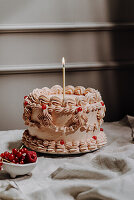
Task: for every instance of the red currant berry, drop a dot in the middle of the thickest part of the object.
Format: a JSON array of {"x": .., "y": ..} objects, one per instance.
[
  {"x": 19, "y": 154},
  {"x": 25, "y": 150},
  {"x": 13, "y": 161},
  {"x": 2, "y": 155},
  {"x": 102, "y": 103},
  {"x": 25, "y": 97},
  {"x": 25, "y": 103},
  {"x": 21, "y": 150},
  {"x": 94, "y": 137},
  {"x": 11, "y": 157},
  {"x": 16, "y": 159},
  {"x": 101, "y": 129},
  {"x": 21, "y": 162},
  {"x": 22, "y": 157},
  {"x": 79, "y": 109},
  {"x": 44, "y": 107},
  {"x": 14, "y": 151},
  {"x": 62, "y": 142},
  {"x": 6, "y": 154}
]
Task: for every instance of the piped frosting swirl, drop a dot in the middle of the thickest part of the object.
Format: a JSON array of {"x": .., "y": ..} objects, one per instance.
[{"x": 74, "y": 108}]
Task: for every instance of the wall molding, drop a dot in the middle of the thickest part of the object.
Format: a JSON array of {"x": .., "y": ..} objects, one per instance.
[
  {"x": 59, "y": 27},
  {"x": 20, "y": 69}
]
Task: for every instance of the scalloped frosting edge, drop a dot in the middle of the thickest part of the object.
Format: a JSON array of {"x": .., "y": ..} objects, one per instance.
[{"x": 59, "y": 147}]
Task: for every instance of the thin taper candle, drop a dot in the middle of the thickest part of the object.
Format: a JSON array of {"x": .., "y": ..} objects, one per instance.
[{"x": 63, "y": 67}]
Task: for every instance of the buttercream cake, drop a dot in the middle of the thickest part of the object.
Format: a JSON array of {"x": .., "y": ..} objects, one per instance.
[{"x": 69, "y": 125}]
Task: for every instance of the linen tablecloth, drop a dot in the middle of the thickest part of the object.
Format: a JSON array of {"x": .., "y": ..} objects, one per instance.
[{"x": 105, "y": 174}]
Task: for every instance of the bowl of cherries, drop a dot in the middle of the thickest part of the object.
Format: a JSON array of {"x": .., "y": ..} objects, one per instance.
[{"x": 18, "y": 162}]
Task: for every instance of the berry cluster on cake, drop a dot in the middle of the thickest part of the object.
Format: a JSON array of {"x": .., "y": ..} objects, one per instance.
[{"x": 64, "y": 126}]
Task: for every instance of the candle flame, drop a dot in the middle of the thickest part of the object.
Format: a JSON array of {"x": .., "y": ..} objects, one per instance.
[{"x": 63, "y": 61}]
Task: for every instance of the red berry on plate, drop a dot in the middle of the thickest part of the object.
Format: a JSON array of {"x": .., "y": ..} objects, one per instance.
[
  {"x": 14, "y": 151},
  {"x": 79, "y": 109},
  {"x": 25, "y": 150},
  {"x": 31, "y": 157},
  {"x": 62, "y": 142},
  {"x": 44, "y": 107},
  {"x": 25, "y": 103},
  {"x": 2, "y": 155},
  {"x": 6, "y": 154},
  {"x": 94, "y": 137},
  {"x": 11, "y": 157},
  {"x": 23, "y": 157},
  {"x": 16, "y": 159},
  {"x": 102, "y": 103},
  {"x": 21, "y": 150},
  {"x": 13, "y": 161},
  {"x": 101, "y": 129},
  {"x": 19, "y": 154},
  {"x": 25, "y": 97},
  {"x": 21, "y": 162},
  {"x": 1, "y": 163}
]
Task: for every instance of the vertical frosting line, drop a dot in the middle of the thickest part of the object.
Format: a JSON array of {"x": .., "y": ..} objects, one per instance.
[{"x": 63, "y": 66}]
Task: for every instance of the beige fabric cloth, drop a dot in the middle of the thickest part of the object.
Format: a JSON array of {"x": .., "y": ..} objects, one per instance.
[{"x": 105, "y": 174}]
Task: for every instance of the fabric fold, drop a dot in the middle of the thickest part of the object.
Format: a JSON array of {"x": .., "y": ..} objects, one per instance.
[
  {"x": 71, "y": 171},
  {"x": 9, "y": 190}
]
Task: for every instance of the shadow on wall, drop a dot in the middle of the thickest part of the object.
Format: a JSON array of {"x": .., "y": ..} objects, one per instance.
[
  {"x": 117, "y": 85},
  {"x": 120, "y": 11}
]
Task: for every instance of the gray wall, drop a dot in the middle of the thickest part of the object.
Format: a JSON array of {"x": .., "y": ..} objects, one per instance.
[{"x": 95, "y": 37}]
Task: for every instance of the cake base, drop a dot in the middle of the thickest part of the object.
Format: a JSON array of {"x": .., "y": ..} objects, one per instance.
[{"x": 52, "y": 147}]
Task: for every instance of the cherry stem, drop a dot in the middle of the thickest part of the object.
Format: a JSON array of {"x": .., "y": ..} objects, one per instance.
[{"x": 21, "y": 146}]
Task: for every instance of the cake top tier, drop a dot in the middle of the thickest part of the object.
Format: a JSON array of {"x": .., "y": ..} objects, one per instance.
[
  {"x": 46, "y": 107},
  {"x": 73, "y": 95}
]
